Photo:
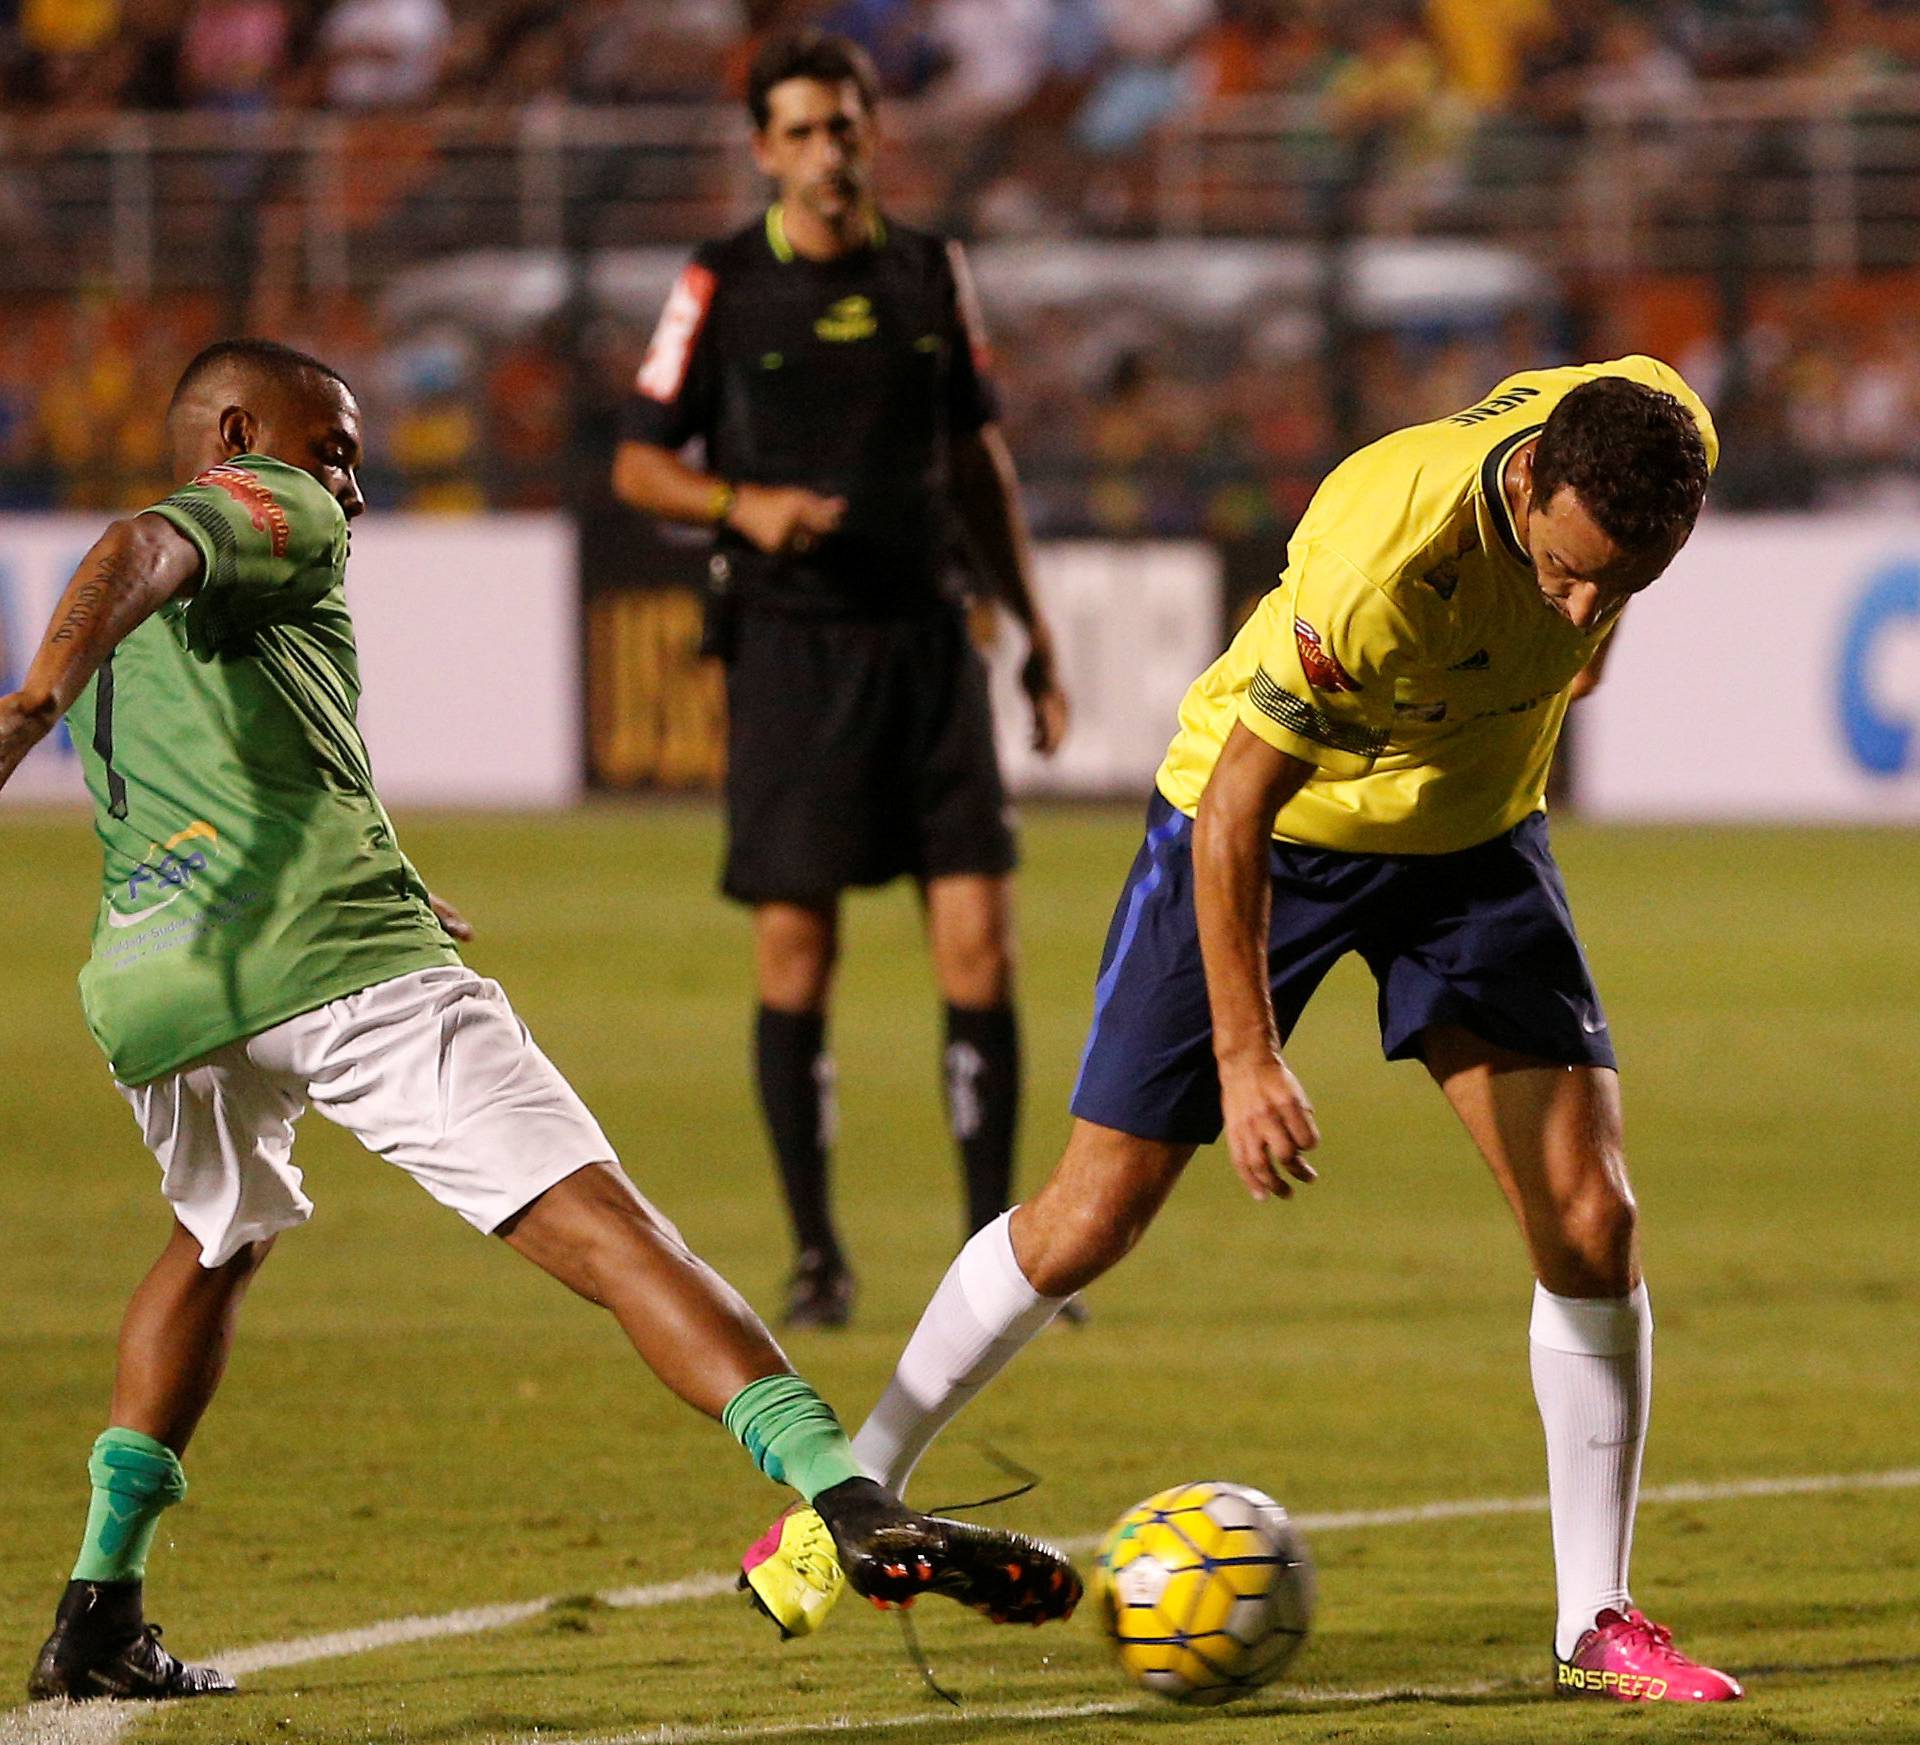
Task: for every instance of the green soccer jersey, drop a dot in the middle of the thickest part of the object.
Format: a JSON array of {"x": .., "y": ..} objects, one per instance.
[{"x": 250, "y": 871}]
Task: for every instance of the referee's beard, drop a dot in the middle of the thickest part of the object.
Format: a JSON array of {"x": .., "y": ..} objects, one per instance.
[{"x": 840, "y": 202}]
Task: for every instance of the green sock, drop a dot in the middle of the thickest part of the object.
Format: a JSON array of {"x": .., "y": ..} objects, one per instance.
[
  {"x": 134, "y": 1479},
  {"x": 792, "y": 1434}
]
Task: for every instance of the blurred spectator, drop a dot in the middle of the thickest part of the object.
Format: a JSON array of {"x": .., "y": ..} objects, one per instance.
[
  {"x": 1146, "y": 77},
  {"x": 1632, "y": 63},
  {"x": 1044, "y": 118},
  {"x": 900, "y": 37},
  {"x": 1484, "y": 44},
  {"x": 995, "y": 53},
  {"x": 68, "y": 27},
  {"x": 1388, "y": 96},
  {"x": 1261, "y": 46},
  {"x": 383, "y": 54},
  {"x": 1744, "y": 38},
  {"x": 646, "y": 50},
  {"x": 233, "y": 53},
  {"x": 1863, "y": 40}
]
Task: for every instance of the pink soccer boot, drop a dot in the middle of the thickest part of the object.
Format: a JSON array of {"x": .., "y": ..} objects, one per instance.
[{"x": 1632, "y": 1660}]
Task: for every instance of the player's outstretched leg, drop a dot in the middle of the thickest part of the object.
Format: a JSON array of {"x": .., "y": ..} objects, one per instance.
[
  {"x": 598, "y": 1235},
  {"x": 1551, "y": 1135},
  {"x": 1010, "y": 1280},
  {"x": 173, "y": 1350},
  {"x": 1006, "y": 1284}
]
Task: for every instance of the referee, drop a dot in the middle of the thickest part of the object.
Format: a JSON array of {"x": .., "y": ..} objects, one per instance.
[{"x": 832, "y": 363}]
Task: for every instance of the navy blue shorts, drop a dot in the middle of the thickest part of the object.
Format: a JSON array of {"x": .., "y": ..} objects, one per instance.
[{"x": 1482, "y": 939}]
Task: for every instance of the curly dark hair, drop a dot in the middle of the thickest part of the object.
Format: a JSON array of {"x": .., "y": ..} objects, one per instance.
[
  {"x": 1633, "y": 456},
  {"x": 809, "y": 54}
]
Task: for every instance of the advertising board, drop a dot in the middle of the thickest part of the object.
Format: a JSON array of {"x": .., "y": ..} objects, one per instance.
[
  {"x": 469, "y": 640},
  {"x": 1773, "y": 674}
]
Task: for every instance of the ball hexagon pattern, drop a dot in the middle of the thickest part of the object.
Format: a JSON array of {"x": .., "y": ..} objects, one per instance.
[{"x": 1206, "y": 1591}]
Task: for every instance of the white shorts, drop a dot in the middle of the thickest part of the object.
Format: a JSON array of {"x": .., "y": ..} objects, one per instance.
[{"x": 431, "y": 1071}]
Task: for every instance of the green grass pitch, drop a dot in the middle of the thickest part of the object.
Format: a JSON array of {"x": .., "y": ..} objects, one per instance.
[{"x": 417, "y": 1422}]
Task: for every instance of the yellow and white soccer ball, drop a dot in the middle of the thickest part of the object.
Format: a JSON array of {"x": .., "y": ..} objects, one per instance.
[{"x": 1206, "y": 1591}]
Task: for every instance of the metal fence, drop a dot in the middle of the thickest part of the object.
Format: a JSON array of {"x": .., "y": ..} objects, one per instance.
[{"x": 1798, "y": 176}]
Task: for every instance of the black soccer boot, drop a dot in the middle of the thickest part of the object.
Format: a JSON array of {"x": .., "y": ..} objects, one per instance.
[
  {"x": 820, "y": 1293},
  {"x": 102, "y": 1646},
  {"x": 893, "y": 1555}
]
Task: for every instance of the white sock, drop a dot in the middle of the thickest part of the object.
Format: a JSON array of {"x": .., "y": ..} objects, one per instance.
[
  {"x": 1593, "y": 1380},
  {"x": 982, "y": 1314}
]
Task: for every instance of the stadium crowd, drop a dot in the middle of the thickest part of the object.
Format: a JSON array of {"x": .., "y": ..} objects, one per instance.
[
  {"x": 1130, "y": 413},
  {"x": 1106, "y": 70}
]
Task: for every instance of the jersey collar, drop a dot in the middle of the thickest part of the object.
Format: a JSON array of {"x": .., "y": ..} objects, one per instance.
[
  {"x": 784, "y": 251},
  {"x": 1493, "y": 487}
]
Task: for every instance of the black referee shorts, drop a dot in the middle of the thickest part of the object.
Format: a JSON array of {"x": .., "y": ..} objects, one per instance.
[{"x": 858, "y": 750}]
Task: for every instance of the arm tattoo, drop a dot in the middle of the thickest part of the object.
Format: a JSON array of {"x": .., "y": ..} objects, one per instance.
[{"x": 90, "y": 597}]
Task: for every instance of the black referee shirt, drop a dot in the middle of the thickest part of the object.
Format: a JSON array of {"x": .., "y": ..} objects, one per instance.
[{"x": 850, "y": 377}]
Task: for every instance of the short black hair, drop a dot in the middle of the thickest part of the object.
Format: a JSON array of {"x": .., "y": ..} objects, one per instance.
[
  {"x": 809, "y": 54},
  {"x": 1632, "y": 455},
  {"x": 268, "y": 356}
]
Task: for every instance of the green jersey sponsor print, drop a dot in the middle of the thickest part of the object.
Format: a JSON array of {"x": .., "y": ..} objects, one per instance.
[{"x": 250, "y": 872}]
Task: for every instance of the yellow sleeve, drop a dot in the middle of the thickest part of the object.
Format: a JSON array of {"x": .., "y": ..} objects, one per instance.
[
  {"x": 1650, "y": 372},
  {"x": 1327, "y": 642}
]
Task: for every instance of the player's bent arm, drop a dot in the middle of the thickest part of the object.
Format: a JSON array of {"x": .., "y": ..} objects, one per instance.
[
  {"x": 986, "y": 495},
  {"x": 1269, "y": 1122},
  {"x": 134, "y": 569},
  {"x": 657, "y": 481},
  {"x": 775, "y": 518}
]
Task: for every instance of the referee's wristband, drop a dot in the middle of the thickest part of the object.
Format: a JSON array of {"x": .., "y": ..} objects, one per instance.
[{"x": 720, "y": 504}]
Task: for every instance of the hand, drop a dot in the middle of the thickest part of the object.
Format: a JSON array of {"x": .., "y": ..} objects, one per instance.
[
  {"x": 1041, "y": 682},
  {"x": 784, "y": 518},
  {"x": 22, "y": 727},
  {"x": 1269, "y": 1123},
  {"x": 456, "y": 924},
  {"x": 1585, "y": 682}
]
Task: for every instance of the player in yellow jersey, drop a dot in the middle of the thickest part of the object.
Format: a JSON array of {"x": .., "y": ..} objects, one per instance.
[{"x": 1364, "y": 770}]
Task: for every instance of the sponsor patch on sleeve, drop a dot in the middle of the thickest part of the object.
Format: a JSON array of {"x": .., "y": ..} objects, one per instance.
[
  {"x": 262, "y": 507},
  {"x": 967, "y": 300},
  {"x": 1324, "y": 671},
  {"x": 663, "y": 372}
]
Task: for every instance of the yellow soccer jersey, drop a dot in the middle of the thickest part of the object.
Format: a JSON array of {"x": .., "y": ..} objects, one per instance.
[{"x": 1407, "y": 653}]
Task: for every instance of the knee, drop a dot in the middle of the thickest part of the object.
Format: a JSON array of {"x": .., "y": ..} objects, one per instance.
[
  {"x": 623, "y": 1237},
  {"x": 795, "y": 951},
  {"x": 975, "y": 964},
  {"x": 1063, "y": 1246},
  {"x": 1598, "y": 1239}
]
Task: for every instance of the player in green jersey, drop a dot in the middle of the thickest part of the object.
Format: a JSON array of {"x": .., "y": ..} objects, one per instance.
[{"x": 263, "y": 945}]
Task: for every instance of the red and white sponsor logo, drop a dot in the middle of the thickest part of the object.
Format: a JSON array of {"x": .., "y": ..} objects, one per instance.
[
  {"x": 1324, "y": 672},
  {"x": 967, "y": 300},
  {"x": 663, "y": 373},
  {"x": 263, "y": 510}
]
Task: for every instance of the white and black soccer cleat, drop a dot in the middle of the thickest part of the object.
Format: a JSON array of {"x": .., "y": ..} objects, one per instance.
[{"x": 101, "y": 1646}]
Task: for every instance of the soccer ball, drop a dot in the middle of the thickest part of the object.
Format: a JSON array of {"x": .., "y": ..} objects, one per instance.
[{"x": 1206, "y": 1591}]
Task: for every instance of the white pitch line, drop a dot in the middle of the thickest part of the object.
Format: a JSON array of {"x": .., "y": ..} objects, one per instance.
[
  {"x": 300, "y": 1650},
  {"x": 1720, "y": 1491},
  {"x": 100, "y": 1723},
  {"x": 673, "y": 1734},
  {"x": 1292, "y": 1696}
]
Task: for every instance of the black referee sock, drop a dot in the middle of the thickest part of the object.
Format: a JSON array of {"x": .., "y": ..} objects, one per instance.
[
  {"x": 795, "y": 1075},
  {"x": 983, "y": 1103}
]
